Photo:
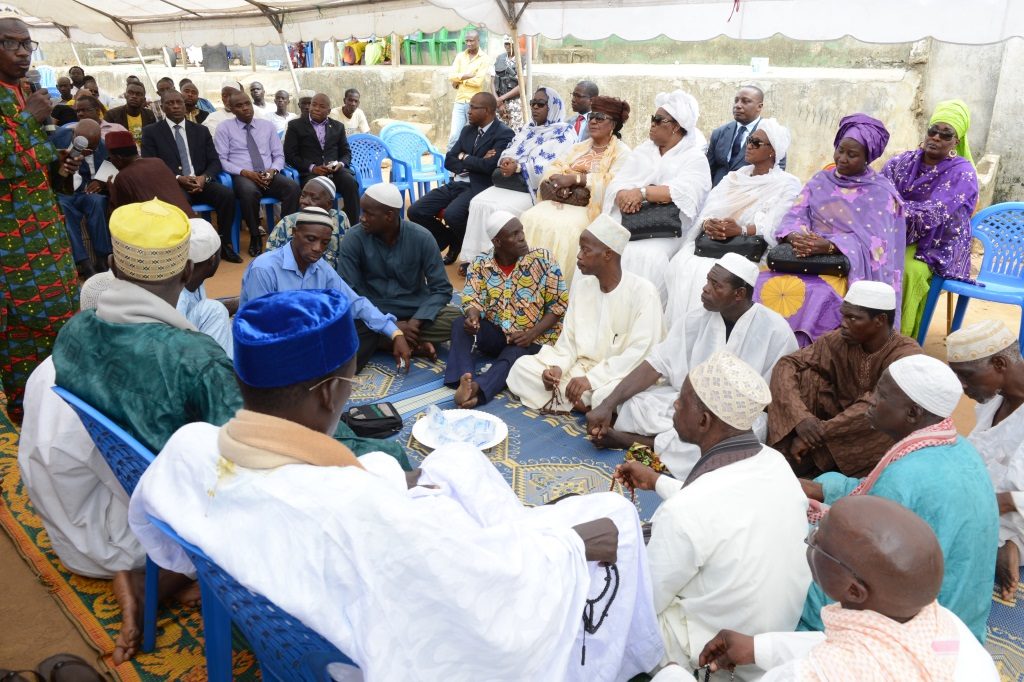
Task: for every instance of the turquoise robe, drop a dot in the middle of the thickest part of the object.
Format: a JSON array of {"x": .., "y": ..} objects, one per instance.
[
  {"x": 949, "y": 487},
  {"x": 153, "y": 378}
]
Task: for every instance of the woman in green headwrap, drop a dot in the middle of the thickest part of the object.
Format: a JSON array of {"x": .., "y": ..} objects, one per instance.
[{"x": 939, "y": 186}]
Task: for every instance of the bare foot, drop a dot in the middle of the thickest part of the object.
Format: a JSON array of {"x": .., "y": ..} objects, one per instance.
[
  {"x": 1008, "y": 570},
  {"x": 189, "y": 596},
  {"x": 426, "y": 350},
  {"x": 129, "y": 590},
  {"x": 620, "y": 440},
  {"x": 468, "y": 393}
]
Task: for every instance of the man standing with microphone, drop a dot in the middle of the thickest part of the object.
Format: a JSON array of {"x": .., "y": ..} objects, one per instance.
[{"x": 37, "y": 273}]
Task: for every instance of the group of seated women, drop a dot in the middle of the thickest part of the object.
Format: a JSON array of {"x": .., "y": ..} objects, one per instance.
[{"x": 847, "y": 223}]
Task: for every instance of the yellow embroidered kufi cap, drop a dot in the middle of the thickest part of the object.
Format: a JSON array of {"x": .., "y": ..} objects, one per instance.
[
  {"x": 731, "y": 389},
  {"x": 150, "y": 240},
  {"x": 978, "y": 341}
]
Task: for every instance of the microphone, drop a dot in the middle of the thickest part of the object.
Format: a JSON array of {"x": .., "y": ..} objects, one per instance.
[
  {"x": 34, "y": 78},
  {"x": 76, "y": 151}
]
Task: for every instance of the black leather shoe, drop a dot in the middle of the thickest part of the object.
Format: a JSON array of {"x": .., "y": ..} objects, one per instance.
[
  {"x": 228, "y": 254},
  {"x": 255, "y": 245}
]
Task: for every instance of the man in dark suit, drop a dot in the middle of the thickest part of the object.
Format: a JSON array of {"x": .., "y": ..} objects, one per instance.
[
  {"x": 726, "y": 147},
  {"x": 472, "y": 159},
  {"x": 133, "y": 115},
  {"x": 187, "y": 150},
  {"x": 317, "y": 145}
]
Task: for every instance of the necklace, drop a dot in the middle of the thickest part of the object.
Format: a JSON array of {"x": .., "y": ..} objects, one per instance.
[{"x": 595, "y": 148}]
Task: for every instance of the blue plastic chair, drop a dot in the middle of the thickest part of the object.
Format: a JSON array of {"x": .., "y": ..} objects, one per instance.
[
  {"x": 267, "y": 203},
  {"x": 368, "y": 153},
  {"x": 287, "y": 650},
  {"x": 1000, "y": 229},
  {"x": 426, "y": 162},
  {"x": 128, "y": 459},
  {"x": 394, "y": 127}
]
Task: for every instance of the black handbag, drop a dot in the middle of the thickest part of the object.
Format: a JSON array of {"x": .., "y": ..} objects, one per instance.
[
  {"x": 515, "y": 182},
  {"x": 653, "y": 221},
  {"x": 378, "y": 420},
  {"x": 751, "y": 247},
  {"x": 782, "y": 258}
]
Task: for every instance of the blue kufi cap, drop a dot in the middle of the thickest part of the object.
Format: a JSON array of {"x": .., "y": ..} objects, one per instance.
[{"x": 287, "y": 337}]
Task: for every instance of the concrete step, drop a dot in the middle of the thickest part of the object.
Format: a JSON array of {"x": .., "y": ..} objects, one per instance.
[
  {"x": 412, "y": 113},
  {"x": 418, "y": 80},
  {"x": 378, "y": 124},
  {"x": 420, "y": 99}
]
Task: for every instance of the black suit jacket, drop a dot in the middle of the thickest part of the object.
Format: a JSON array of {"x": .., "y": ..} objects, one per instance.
[
  {"x": 158, "y": 141},
  {"x": 480, "y": 170},
  {"x": 302, "y": 148},
  {"x": 119, "y": 115},
  {"x": 718, "y": 152}
]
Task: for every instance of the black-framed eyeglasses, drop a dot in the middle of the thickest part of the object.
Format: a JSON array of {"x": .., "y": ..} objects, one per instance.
[
  {"x": 598, "y": 116},
  {"x": 946, "y": 135},
  {"x": 12, "y": 45},
  {"x": 809, "y": 541},
  {"x": 658, "y": 120},
  {"x": 757, "y": 144},
  {"x": 538, "y": 103}
]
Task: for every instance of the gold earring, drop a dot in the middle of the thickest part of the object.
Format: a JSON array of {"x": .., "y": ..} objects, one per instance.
[{"x": 952, "y": 153}]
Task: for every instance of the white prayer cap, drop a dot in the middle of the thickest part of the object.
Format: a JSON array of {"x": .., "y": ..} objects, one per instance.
[
  {"x": 204, "y": 241},
  {"x": 978, "y": 341},
  {"x": 314, "y": 215},
  {"x": 385, "y": 193},
  {"x": 874, "y": 295},
  {"x": 731, "y": 389},
  {"x": 681, "y": 106},
  {"x": 928, "y": 382},
  {"x": 498, "y": 220},
  {"x": 232, "y": 84},
  {"x": 741, "y": 267},
  {"x": 778, "y": 135},
  {"x": 93, "y": 287},
  {"x": 609, "y": 233},
  {"x": 325, "y": 182},
  {"x": 307, "y": 93}
]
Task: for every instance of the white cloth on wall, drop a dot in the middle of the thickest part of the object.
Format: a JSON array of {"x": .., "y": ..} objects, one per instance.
[
  {"x": 81, "y": 503},
  {"x": 727, "y": 551},
  {"x": 461, "y": 582},
  {"x": 684, "y": 169},
  {"x": 1002, "y": 448},
  {"x": 481, "y": 208},
  {"x": 604, "y": 337},
  {"x": 758, "y": 200},
  {"x": 760, "y": 337}
]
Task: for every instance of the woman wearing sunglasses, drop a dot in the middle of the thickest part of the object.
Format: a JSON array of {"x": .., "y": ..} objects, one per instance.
[
  {"x": 939, "y": 187},
  {"x": 573, "y": 188}
]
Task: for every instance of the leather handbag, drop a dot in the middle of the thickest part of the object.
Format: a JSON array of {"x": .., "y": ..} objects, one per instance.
[
  {"x": 573, "y": 196},
  {"x": 514, "y": 182},
  {"x": 751, "y": 247},
  {"x": 653, "y": 221},
  {"x": 782, "y": 258}
]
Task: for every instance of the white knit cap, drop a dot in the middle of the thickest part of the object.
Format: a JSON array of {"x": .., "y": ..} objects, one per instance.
[
  {"x": 778, "y": 135},
  {"x": 93, "y": 287},
  {"x": 324, "y": 182},
  {"x": 204, "y": 241},
  {"x": 741, "y": 267},
  {"x": 874, "y": 295},
  {"x": 610, "y": 233},
  {"x": 681, "y": 106},
  {"x": 731, "y": 389},
  {"x": 978, "y": 341},
  {"x": 928, "y": 382},
  {"x": 307, "y": 93},
  {"x": 314, "y": 215},
  {"x": 498, "y": 220},
  {"x": 232, "y": 84},
  {"x": 385, "y": 193}
]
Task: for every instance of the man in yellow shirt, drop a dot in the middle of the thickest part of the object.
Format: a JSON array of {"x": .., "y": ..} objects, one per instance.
[
  {"x": 468, "y": 76},
  {"x": 134, "y": 114}
]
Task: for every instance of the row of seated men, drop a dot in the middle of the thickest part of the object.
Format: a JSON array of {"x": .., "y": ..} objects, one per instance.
[
  {"x": 179, "y": 161},
  {"x": 726, "y": 548}
]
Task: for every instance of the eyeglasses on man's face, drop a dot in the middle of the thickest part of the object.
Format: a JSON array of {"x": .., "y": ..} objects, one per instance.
[{"x": 12, "y": 45}]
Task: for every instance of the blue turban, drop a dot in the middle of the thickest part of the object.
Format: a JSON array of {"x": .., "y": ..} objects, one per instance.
[
  {"x": 870, "y": 132},
  {"x": 287, "y": 337}
]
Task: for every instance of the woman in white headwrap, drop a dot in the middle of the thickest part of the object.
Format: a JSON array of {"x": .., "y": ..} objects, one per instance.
[
  {"x": 545, "y": 138},
  {"x": 750, "y": 200},
  {"x": 669, "y": 167}
]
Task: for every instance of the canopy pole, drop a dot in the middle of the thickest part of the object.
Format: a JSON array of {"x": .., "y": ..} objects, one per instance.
[
  {"x": 252, "y": 57},
  {"x": 288, "y": 60},
  {"x": 529, "y": 70},
  {"x": 78, "y": 60},
  {"x": 524, "y": 95},
  {"x": 145, "y": 68},
  {"x": 396, "y": 49}
]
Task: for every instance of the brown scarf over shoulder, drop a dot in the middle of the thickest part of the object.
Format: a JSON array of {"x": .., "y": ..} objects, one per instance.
[{"x": 259, "y": 441}]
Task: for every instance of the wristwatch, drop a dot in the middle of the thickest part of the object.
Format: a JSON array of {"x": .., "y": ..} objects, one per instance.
[{"x": 643, "y": 193}]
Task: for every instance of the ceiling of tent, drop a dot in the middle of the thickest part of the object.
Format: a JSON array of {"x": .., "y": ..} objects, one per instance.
[{"x": 167, "y": 22}]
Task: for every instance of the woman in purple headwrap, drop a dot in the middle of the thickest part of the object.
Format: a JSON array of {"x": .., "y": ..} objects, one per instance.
[
  {"x": 939, "y": 186},
  {"x": 851, "y": 210}
]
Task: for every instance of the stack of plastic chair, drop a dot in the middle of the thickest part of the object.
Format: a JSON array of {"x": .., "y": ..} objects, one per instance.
[
  {"x": 426, "y": 162},
  {"x": 1000, "y": 229},
  {"x": 287, "y": 650},
  {"x": 128, "y": 459},
  {"x": 394, "y": 126},
  {"x": 268, "y": 204},
  {"x": 416, "y": 41},
  {"x": 368, "y": 155}
]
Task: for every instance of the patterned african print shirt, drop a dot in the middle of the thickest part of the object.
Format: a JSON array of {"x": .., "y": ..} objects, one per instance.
[{"x": 517, "y": 302}]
